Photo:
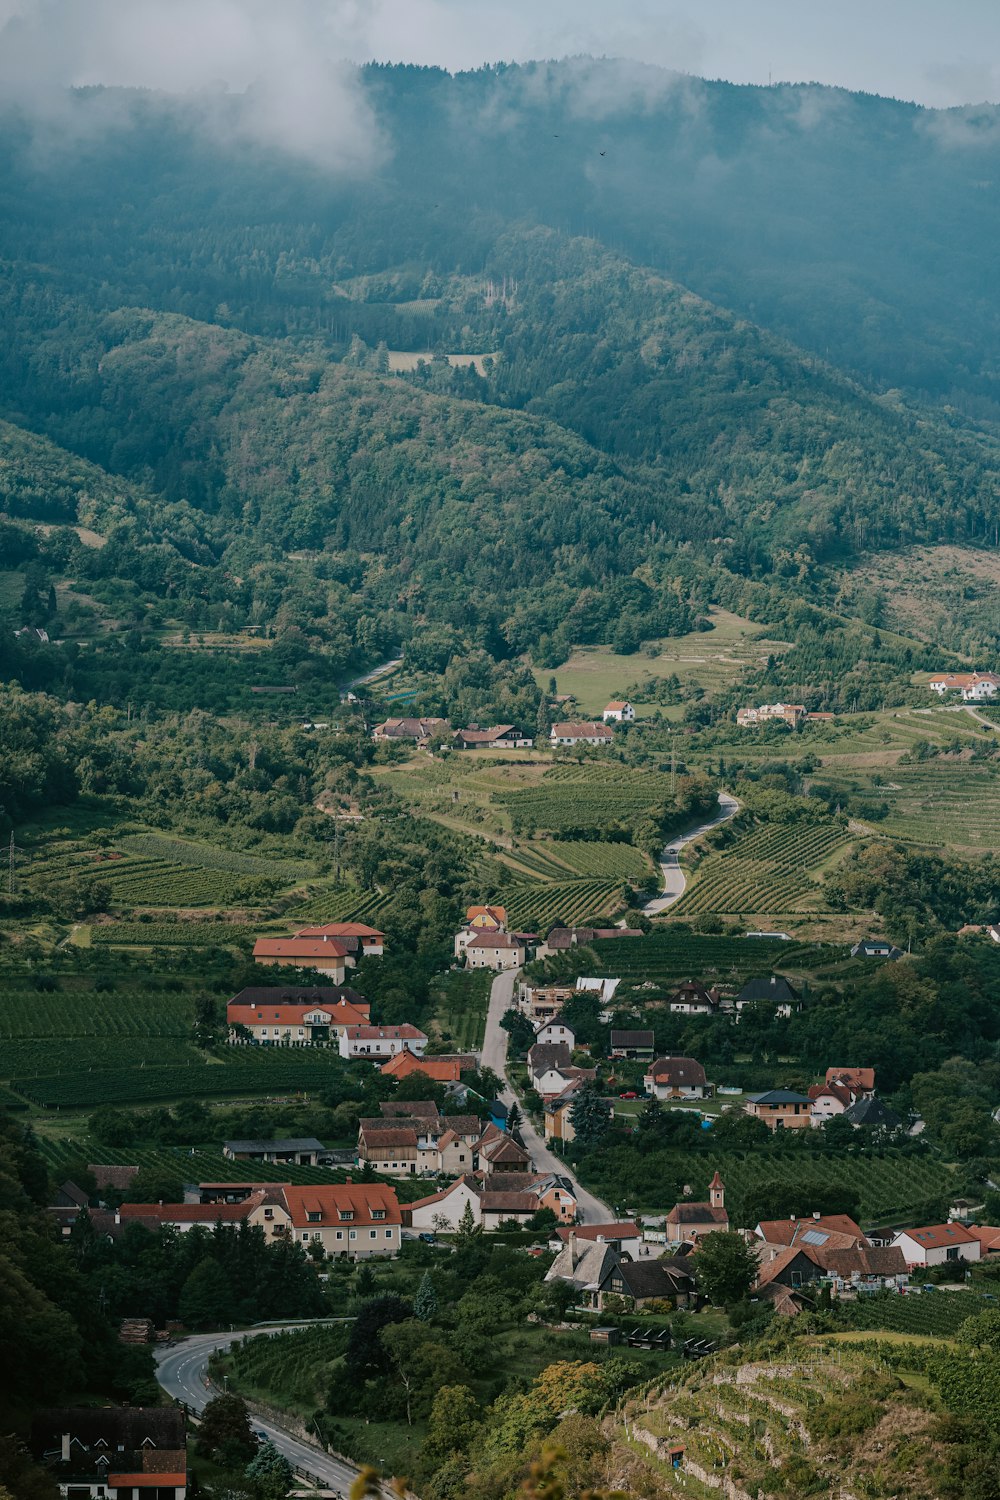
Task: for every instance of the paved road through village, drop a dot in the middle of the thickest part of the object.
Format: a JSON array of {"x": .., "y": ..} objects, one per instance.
[
  {"x": 182, "y": 1370},
  {"x": 673, "y": 876}
]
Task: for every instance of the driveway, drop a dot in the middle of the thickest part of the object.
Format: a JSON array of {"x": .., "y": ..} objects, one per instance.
[
  {"x": 494, "y": 1055},
  {"x": 182, "y": 1370},
  {"x": 674, "y": 881}
]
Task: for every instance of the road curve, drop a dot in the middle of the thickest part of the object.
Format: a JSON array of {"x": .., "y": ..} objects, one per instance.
[
  {"x": 673, "y": 876},
  {"x": 494, "y": 1055},
  {"x": 182, "y": 1370}
]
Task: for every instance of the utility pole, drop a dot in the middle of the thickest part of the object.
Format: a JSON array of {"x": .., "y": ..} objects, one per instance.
[
  {"x": 673, "y": 767},
  {"x": 12, "y": 873}
]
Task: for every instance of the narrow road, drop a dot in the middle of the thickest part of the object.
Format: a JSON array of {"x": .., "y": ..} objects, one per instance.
[
  {"x": 182, "y": 1370},
  {"x": 494, "y": 1055},
  {"x": 375, "y": 674},
  {"x": 673, "y": 876}
]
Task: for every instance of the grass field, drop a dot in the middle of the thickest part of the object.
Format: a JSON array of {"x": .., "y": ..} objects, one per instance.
[
  {"x": 460, "y": 1012},
  {"x": 711, "y": 658}
]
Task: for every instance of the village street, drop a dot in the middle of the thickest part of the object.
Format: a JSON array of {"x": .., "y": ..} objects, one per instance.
[{"x": 592, "y": 1210}]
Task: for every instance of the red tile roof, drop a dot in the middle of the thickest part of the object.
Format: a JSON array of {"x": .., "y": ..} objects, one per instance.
[
  {"x": 340, "y": 929},
  {"x": 439, "y": 1069},
  {"x": 359, "y": 1199},
  {"x": 296, "y": 947},
  {"x": 937, "y": 1236},
  {"x": 402, "y": 1033},
  {"x": 622, "y": 1231},
  {"x": 193, "y": 1213},
  {"x": 292, "y": 1015},
  {"x": 495, "y": 940},
  {"x": 788, "y": 1231}
]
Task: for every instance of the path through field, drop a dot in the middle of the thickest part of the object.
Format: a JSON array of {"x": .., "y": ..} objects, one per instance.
[{"x": 673, "y": 876}]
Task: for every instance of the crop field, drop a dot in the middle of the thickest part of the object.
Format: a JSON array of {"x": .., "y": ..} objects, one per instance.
[
  {"x": 460, "y": 1012},
  {"x": 209, "y": 856},
  {"x": 24, "y": 1012},
  {"x": 122, "y": 1073},
  {"x": 168, "y": 935},
  {"x": 343, "y": 904},
  {"x": 669, "y": 955},
  {"x": 888, "y": 1185},
  {"x": 153, "y": 882},
  {"x": 939, "y": 1314},
  {"x": 775, "y": 868},
  {"x": 556, "y": 806},
  {"x": 541, "y": 905},
  {"x": 561, "y": 859},
  {"x": 944, "y": 802}
]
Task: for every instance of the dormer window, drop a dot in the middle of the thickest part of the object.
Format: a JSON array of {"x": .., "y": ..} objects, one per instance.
[
  {"x": 378, "y": 1213},
  {"x": 314, "y": 1216},
  {"x": 347, "y": 1213}
]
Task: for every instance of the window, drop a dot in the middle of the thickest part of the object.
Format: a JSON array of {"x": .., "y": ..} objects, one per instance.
[
  {"x": 388, "y": 1234},
  {"x": 340, "y": 1234},
  {"x": 353, "y": 1234},
  {"x": 314, "y": 1216},
  {"x": 305, "y": 1234},
  {"x": 269, "y": 1213},
  {"x": 347, "y": 1213},
  {"x": 378, "y": 1213},
  {"x": 373, "y": 1234}
]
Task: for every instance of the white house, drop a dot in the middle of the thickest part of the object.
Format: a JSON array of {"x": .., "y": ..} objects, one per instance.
[
  {"x": 495, "y": 950},
  {"x": 618, "y": 712},
  {"x": 442, "y": 1212},
  {"x": 588, "y": 733},
  {"x": 382, "y": 1041},
  {"x": 973, "y": 686},
  {"x": 676, "y": 1078},
  {"x": 555, "y": 1030},
  {"x": 938, "y": 1245}
]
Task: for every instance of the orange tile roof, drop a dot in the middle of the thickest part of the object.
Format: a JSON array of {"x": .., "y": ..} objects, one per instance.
[
  {"x": 296, "y": 947},
  {"x": 440, "y": 1069},
  {"x": 936, "y": 1236},
  {"x": 292, "y": 1015},
  {"x": 340, "y": 929},
  {"x": 358, "y": 1198}
]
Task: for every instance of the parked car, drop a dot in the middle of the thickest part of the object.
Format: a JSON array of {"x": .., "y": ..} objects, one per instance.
[
  {"x": 428, "y": 1239},
  {"x": 631, "y": 1094}
]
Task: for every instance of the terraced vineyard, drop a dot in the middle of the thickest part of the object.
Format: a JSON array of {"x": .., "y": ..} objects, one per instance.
[
  {"x": 775, "y": 869},
  {"x": 939, "y": 1314},
  {"x": 344, "y": 904},
  {"x": 944, "y": 802},
  {"x": 25, "y": 1012},
  {"x": 572, "y": 901},
  {"x": 667, "y": 956},
  {"x": 564, "y": 804},
  {"x": 209, "y": 857}
]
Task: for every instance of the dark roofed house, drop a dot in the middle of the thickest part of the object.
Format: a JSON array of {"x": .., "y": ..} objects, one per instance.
[
  {"x": 691, "y": 998},
  {"x": 300, "y": 994},
  {"x": 411, "y": 1108},
  {"x": 781, "y": 1109},
  {"x": 772, "y": 989},
  {"x": 131, "y": 1451},
  {"x": 876, "y": 948},
  {"x": 676, "y": 1078},
  {"x": 664, "y": 1280},
  {"x": 872, "y": 1114},
  {"x": 632, "y": 1044}
]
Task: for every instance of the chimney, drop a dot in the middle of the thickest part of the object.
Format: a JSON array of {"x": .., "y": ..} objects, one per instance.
[
  {"x": 816, "y": 1213},
  {"x": 348, "y": 1181},
  {"x": 64, "y": 1448},
  {"x": 572, "y": 1249},
  {"x": 792, "y": 1218}
]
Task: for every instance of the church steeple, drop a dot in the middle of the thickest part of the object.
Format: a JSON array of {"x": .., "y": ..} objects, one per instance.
[{"x": 717, "y": 1192}]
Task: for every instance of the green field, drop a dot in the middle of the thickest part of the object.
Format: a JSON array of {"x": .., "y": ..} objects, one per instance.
[
  {"x": 165, "y": 935},
  {"x": 776, "y": 869},
  {"x": 668, "y": 955},
  {"x": 460, "y": 1011},
  {"x": 712, "y": 658},
  {"x": 937, "y": 1314}
]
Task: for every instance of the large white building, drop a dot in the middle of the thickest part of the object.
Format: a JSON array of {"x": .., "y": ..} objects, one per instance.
[
  {"x": 380, "y": 1042},
  {"x": 937, "y": 1245}
]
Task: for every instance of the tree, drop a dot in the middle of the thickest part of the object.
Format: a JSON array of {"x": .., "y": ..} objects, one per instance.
[
  {"x": 225, "y": 1433},
  {"x": 590, "y": 1116},
  {"x": 419, "y": 1361},
  {"x": 364, "y": 1282},
  {"x": 468, "y": 1229},
  {"x": 425, "y": 1303},
  {"x": 982, "y": 1330},
  {"x": 365, "y": 1356},
  {"x": 520, "y": 1031},
  {"x": 270, "y": 1473},
  {"x": 725, "y": 1267},
  {"x": 156, "y": 1185},
  {"x": 455, "y": 1418},
  {"x": 513, "y": 1119},
  {"x": 206, "y": 1300}
]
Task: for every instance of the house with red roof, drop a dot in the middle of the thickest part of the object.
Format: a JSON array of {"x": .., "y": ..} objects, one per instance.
[
  {"x": 618, "y": 711},
  {"x": 326, "y": 955},
  {"x": 691, "y": 1222},
  {"x": 370, "y": 939},
  {"x": 444, "y": 1069},
  {"x": 938, "y": 1245},
  {"x": 275, "y": 1023},
  {"x": 859, "y": 1081},
  {"x": 357, "y": 1220}
]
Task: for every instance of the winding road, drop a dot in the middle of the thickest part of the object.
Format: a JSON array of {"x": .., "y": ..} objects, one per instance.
[
  {"x": 673, "y": 876},
  {"x": 182, "y": 1370}
]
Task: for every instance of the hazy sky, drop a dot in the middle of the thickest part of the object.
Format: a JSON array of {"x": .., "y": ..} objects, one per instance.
[{"x": 939, "y": 52}]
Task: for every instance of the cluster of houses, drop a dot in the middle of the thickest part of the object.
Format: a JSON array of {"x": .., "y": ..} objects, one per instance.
[
  {"x": 422, "y": 732},
  {"x": 485, "y": 943},
  {"x": 690, "y": 998},
  {"x": 331, "y": 948},
  {"x": 974, "y": 687},
  {"x": 784, "y": 713}
]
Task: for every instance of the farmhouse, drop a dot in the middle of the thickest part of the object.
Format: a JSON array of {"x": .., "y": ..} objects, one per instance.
[
  {"x": 820, "y": 1232},
  {"x": 693, "y": 999},
  {"x": 502, "y": 737},
  {"x": 632, "y": 1044},
  {"x": 664, "y": 1280},
  {"x": 876, "y": 948},
  {"x": 122, "y": 1451},
  {"x": 492, "y": 950},
  {"x": 486, "y": 918},
  {"x": 421, "y": 731},
  {"x": 443, "y": 1069},
  {"x": 277, "y": 1025},
  {"x": 187, "y": 1216},
  {"x": 618, "y": 711},
  {"x": 938, "y": 1245},
  {"x": 377, "y": 1042},
  {"x": 625, "y": 1236},
  {"x": 786, "y": 713},
  {"x": 369, "y": 939},
  {"x": 443, "y": 1211},
  {"x": 327, "y": 955},
  {"x": 582, "y": 733},
  {"x": 973, "y": 686},
  {"x": 554, "y": 1033},
  {"x": 357, "y": 1220},
  {"x": 771, "y": 989},
  {"x": 780, "y": 1109},
  {"x": 402, "y": 1145},
  {"x": 676, "y": 1078}
]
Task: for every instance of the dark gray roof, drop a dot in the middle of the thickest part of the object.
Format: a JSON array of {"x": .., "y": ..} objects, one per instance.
[
  {"x": 773, "y": 987},
  {"x": 872, "y": 1112},
  {"x": 631, "y": 1039},
  {"x": 127, "y": 1425},
  {"x": 650, "y": 1278},
  {"x": 306, "y": 1143},
  {"x": 782, "y": 1096},
  {"x": 545, "y": 1055},
  {"x": 678, "y": 1072}
]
